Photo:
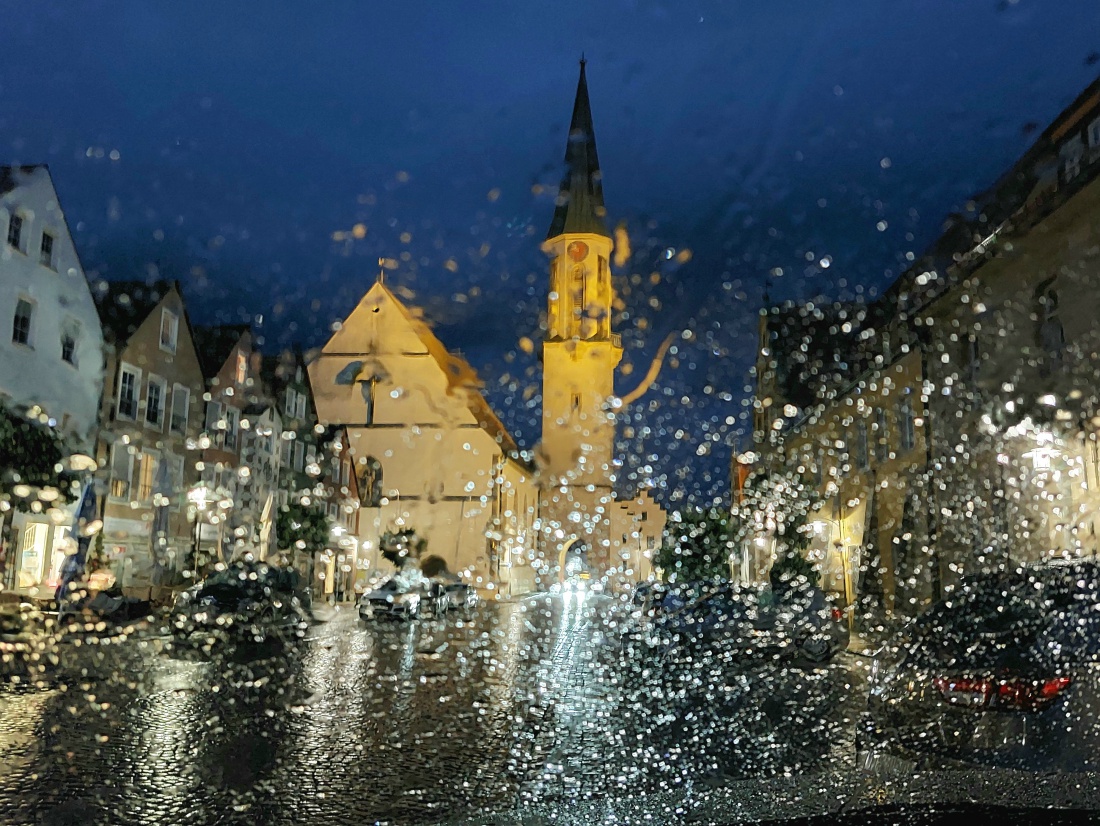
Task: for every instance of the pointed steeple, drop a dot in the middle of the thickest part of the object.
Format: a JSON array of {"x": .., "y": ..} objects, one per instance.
[{"x": 580, "y": 198}]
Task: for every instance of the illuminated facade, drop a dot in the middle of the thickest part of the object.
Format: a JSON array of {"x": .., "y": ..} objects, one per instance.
[
  {"x": 958, "y": 430},
  {"x": 427, "y": 451},
  {"x": 579, "y": 354}
]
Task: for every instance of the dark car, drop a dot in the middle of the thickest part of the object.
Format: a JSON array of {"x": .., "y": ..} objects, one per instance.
[
  {"x": 451, "y": 595},
  {"x": 392, "y": 600},
  {"x": 1001, "y": 673},
  {"x": 246, "y": 601},
  {"x": 737, "y": 621},
  {"x": 28, "y": 645}
]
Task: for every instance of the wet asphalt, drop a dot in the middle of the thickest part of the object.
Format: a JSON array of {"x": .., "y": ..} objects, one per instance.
[{"x": 517, "y": 704}]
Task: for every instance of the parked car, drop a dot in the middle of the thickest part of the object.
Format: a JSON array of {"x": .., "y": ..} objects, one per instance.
[
  {"x": 246, "y": 602},
  {"x": 739, "y": 621},
  {"x": 1002, "y": 673},
  {"x": 28, "y": 644},
  {"x": 451, "y": 594},
  {"x": 104, "y": 610},
  {"x": 395, "y": 599}
]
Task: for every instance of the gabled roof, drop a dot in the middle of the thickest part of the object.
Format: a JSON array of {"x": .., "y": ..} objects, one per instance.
[
  {"x": 10, "y": 175},
  {"x": 124, "y": 305},
  {"x": 580, "y": 205},
  {"x": 461, "y": 377},
  {"x": 214, "y": 344}
]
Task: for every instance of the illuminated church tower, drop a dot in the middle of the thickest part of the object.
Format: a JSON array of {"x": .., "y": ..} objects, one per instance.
[{"x": 580, "y": 354}]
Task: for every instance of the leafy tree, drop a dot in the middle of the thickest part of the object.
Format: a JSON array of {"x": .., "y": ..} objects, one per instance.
[
  {"x": 697, "y": 545},
  {"x": 302, "y": 527},
  {"x": 399, "y": 546},
  {"x": 791, "y": 567},
  {"x": 31, "y": 454}
]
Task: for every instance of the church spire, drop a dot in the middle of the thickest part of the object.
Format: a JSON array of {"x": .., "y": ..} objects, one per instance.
[{"x": 580, "y": 198}]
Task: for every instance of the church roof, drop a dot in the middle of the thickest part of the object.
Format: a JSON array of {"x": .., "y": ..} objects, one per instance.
[
  {"x": 580, "y": 205},
  {"x": 461, "y": 377}
]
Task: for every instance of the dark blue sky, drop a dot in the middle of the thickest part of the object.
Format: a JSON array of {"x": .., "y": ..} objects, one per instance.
[{"x": 754, "y": 135}]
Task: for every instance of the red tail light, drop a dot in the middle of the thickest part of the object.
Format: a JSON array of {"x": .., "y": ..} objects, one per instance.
[
  {"x": 837, "y": 614},
  {"x": 1005, "y": 694}
]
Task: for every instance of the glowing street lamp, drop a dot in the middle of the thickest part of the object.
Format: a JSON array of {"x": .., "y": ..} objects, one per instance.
[{"x": 199, "y": 496}]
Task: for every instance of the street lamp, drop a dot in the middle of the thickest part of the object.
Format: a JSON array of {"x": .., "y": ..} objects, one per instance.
[
  {"x": 198, "y": 496},
  {"x": 846, "y": 564}
]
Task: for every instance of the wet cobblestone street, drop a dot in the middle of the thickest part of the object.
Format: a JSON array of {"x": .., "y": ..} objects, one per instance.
[{"x": 393, "y": 722}]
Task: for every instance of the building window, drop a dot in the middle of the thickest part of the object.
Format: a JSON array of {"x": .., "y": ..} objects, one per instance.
[
  {"x": 819, "y": 467},
  {"x": 576, "y": 291},
  {"x": 122, "y": 468},
  {"x": 882, "y": 437},
  {"x": 242, "y": 367},
  {"x": 181, "y": 401},
  {"x": 286, "y": 453},
  {"x": 1094, "y": 134},
  {"x": 1071, "y": 153},
  {"x": 169, "y": 330},
  {"x": 15, "y": 232},
  {"x": 232, "y": 418},
  {"x": 906, "y": 431},
  {"x": 21, "y": 324},
  {"x": 70, "y": 333},
  {"x": 45, "y": 251},
  {"x": 863, "y": 458},
  {"x": 299, "y": 456},
  {"x": 214, "y": 425},
  {"x": 300, "y": 406},
  {"x": 129, "y": 380},
  {"x": 154, "y": 401},
  {"x": 289, "y": 406},
  {"x": 147, "y": 475}
]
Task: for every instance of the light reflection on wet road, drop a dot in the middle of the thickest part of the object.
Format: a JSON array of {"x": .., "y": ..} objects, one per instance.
[{"x": 400, "y": 723}]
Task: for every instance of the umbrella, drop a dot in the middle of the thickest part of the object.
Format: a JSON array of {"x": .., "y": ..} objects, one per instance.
[
  {"x": 162, "y": 493},
  {"x": 72, "y": 568}
]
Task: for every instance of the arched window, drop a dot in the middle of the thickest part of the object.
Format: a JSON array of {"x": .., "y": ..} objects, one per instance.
[{"x": 370, "y": 483}]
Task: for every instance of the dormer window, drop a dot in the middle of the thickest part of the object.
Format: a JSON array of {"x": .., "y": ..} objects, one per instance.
[{"x": 169, "y": 330}]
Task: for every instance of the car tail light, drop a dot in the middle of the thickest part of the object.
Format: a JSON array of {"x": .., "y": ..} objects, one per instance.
[
  {"x": 837, "y": 614},
  {"x": 1005, "y": 694}
]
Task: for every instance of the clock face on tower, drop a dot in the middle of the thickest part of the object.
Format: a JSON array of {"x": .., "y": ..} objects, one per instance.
[{"x": 577, "y": 250}]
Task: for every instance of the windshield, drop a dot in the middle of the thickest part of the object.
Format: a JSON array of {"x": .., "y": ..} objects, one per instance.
[{"x": 640, "y": 411}]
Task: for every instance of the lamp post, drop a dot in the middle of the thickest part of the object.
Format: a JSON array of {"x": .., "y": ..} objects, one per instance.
[
  {"x": 198, "y": 496},
  {"x": 846, "y": 565}
]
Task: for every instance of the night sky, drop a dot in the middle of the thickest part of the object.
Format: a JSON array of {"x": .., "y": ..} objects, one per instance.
[{"x": 236, "y": 152}]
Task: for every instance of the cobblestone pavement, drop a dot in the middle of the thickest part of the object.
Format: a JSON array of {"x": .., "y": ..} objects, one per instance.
[{"x": 522, "y": 703}]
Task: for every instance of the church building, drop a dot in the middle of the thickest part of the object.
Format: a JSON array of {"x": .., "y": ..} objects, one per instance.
[
  {"x": 586, "y": 532},
  {"x": 431, "y": 456}
]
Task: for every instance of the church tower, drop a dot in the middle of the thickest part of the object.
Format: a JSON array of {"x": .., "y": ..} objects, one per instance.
[{"x": 580, "y": 354}]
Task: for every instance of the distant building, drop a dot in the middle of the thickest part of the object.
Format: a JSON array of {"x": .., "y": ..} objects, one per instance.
[
  {"x": 580, "y": 513},
  {"x": 51, "y": 351},
  {"x": 429, "y": 453},
  {"x": 952, "y": 426},
  {"x": 150, "y": 420},
  {"x": 231, "y": 369}
]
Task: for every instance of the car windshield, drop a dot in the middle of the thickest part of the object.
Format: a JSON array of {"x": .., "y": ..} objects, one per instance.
[{"x": 642, "y": 411}]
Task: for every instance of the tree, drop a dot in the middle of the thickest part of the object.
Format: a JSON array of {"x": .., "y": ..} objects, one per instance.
[
  {"x": 697, "y": 545},
  {"x": 31, "y": 458},
  {"x": 777, "y": 504},
  {"x": 399, "y": 546},
  {"x": 302, "y": 527}
]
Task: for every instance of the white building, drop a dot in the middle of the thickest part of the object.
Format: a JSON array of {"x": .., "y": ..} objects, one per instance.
[
  {"x": 51, "y": 344},
  {"x": 429, "y": 454},
  {"x": 51, "y": 347}
]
